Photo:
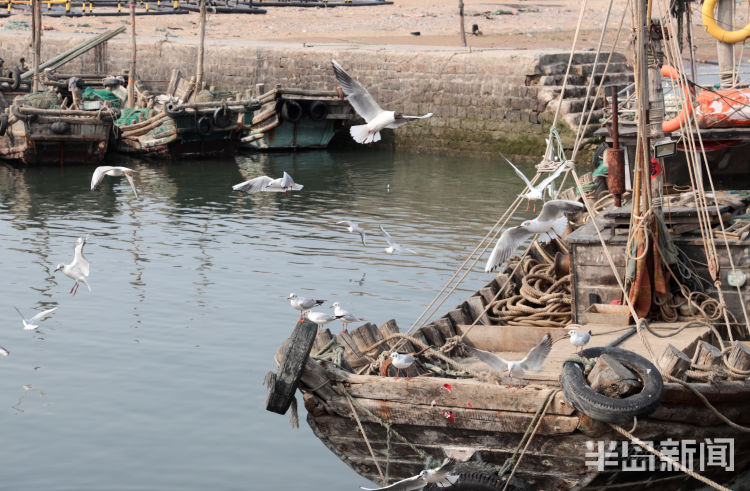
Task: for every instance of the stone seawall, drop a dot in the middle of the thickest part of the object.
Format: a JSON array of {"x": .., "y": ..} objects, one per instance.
[{"x": 482, "y": 101}]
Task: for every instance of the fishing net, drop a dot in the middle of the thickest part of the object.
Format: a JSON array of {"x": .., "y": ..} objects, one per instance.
[
  {"x": 204, "y": 96},
  {"x": 103, "y": 95},
  {"x": 39, "y": 100},
  {"x": 132, "y": 115}
]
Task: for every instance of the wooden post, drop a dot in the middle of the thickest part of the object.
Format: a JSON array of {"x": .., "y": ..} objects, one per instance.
[
  {"x": 707, "y": 354},
  {"x": 201, "y": 48},
  {"x": 131, "y": 71},
  {"x": 461, "y": 15},
  {"x": 725, "y": 51},
  {"x": 36, "y": 39},
  {"x": 739, "y": 358},
  {"x": 690, "y": 43},
  {"x": 292, "y": 364},
  {"x": 674, "y": 362},
  {"x": 612, "y": 379}
]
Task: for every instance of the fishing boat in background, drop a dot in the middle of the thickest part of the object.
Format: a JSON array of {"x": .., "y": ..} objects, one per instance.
[
  {"x": 651, "y": 274},
  {"x": 291, "y": 119}
]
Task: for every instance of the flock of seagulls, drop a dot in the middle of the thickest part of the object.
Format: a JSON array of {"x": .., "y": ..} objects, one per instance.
[{"x": 305, "y": 306}]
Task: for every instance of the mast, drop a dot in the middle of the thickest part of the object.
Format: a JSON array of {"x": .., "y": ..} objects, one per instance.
[
  {"x": 36, "y": 40},
  {"x": 641, "y": 188},
  {"x": 201, "y": 47},
  {"x": 131, "y": 71},
  {"x": 725, "y": 51}
]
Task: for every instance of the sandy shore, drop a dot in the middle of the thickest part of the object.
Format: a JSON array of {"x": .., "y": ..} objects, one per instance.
[{"x": 520, "y": 25}]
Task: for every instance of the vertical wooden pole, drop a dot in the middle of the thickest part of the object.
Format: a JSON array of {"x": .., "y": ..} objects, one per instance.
[
  {"x": 461, "y": 15},
  {"x": 201, "y": 49},
  {"x": 131, "y": 70},
  {"x": 36, "y": 27},
  {"x": 690, "y": 41},
  {"x": 725, "y": 51}
]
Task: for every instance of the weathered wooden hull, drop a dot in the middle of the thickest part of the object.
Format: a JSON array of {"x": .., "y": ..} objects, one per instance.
[
  {"x": 33, "y": 142},
  {"x": 315, "y": 119},
  {"x": 492, "y": 428}
]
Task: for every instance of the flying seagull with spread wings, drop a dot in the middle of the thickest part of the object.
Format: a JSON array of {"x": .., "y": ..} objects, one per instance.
[
  {"x": 362, "y": 102},
  {"x": 549, "y": 223},
  {"x": 440, "y": 476},
  {"x": 353, "y": 228},
  {"x": 29, "y": 324},
  {"x": 532, "y": 362},
  {"x": 283, "y": 184},
  {"x": 108, "y": 170},
  {"x": 392, "y": 245},
  {"x": 78, "y": 270},
  {"x": 536, "y": 192}
]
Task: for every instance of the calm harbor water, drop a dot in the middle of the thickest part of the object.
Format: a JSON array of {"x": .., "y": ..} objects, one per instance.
[{"x": 153, "y": 381}]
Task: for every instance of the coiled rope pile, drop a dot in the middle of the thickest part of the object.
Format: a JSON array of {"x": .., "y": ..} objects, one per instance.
[{"x": 542, "y": 299}]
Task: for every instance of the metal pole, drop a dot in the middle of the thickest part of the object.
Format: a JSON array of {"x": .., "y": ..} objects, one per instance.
[
  {"x": 201, "y": 48},
  {"x": 131, "y": 70},
  {"x": 690, "y": 42},
  {"x": 461, "y": 15},
  {"x": 725, "y": 51}
]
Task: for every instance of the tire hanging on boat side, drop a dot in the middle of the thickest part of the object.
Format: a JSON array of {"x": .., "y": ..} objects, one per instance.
[
  {"x": 607, "y": 409},
  {"x": 291, "y": 111},
  {"x": 3, "y": 124},
  {"x": 223, "y": 116},
  {"x": 204, "y": 125},
  {"x": 318, "y": 111},
  {"x": 479, "y": 476},
  {"x": 15, "y": 74}
]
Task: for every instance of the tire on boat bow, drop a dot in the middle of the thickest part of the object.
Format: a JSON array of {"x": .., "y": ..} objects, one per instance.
[
  {"x": 318, "y": 111},
  {"x": 479, "y": 476},
  {"x": 223, "y": 116},
  {"x": 291, "y": 111},
  {"x": 204, "y": 125},
  {"x": 610, "y": 410}
]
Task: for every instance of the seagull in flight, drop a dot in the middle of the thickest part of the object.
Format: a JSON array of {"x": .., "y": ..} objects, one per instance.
[
  {"x": 29, "y": 324},
  {"x": 579, "y": 339},
  {"x": 440, "y": 476},
  {"x": 549, "y": 223},
  {"x": 303, "y": 304},
  {"x": 346, "y": 317},
  {"x": 108, "y": 170},
  {"x": 532, "y": 362},
  {"x": 283, "y": 184},
  {"x": 536, "y": 192},
  {"x": 352, "y": 227},
  {"x": 4, "y": 352},
  {"x": 362, "y": 102},
  {"x": 78, "y": 270},
  {"x": 392, "y": 246}
]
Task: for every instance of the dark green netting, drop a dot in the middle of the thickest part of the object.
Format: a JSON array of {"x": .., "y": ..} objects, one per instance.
[
  {"x": 132, "y": 115},
  {"x": 101, "y": 95}
]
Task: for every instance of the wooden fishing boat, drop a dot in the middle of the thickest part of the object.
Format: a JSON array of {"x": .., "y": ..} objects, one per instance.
[
  {"x": 297, "y": 119},
  {"x": 34, "y": 136}
]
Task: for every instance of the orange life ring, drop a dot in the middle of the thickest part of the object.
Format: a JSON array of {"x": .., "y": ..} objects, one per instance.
[
  {"x": 731, "y": 37},
  {"x": 674, "y": 124}
]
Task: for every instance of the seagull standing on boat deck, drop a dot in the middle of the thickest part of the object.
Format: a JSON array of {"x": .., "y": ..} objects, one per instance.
[
  {"x": 28, "y": 324},
  {"x": 392, "y": 246},
  {"x": 579, "y": 339},
  {"x": 549, "y": 223},
  {"x": 346, "y": 317},
  {"x": 78, "y": 270},
  {"x": 440, "y": 476},
  {"x": 321, "y": 318},
  {"x": 266, "y": 184},
  {"x": 365, "y": 105},
  {"x": 536, "y": 192},
  {"x": 353, "y": 228},
  {"x": 401, "y": 361},
  {"x": 303, "y": 304},
  {"x": 108, "y": 170},
  {"x": 532, "y": 362}
]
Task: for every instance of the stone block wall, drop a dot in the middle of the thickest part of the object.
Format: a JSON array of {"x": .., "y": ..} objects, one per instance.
[{"x": 482, "y": 101}]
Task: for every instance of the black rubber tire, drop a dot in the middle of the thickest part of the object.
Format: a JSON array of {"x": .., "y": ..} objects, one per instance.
[
  {"x": 60, "y": 127},
  {"x": 609, "y": 410},
  {"x": 115, "y": 134},
  {"x": 291, "y": 367},
  {"x": 291, "y": 111},
  {"x": 204, "y": 125},
  {"x": 23, "y": 117},
  {"x": 318, "y": 111},
  {"x": 598, "y": 157},
  {"x": 171, "y": 110},
  {"x": 224, "y": 117},
  {"x": 3, "y": 123},
  {"x": 15, "y": 74}
]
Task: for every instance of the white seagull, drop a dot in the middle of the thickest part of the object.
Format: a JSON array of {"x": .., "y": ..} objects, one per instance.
[
  {"x": 303, "y": 304},
  {"x": 28, "y": 324},
  {"x": 259, "y": 184},
  {"x": 321, "y": 318},
  {"x": 547, "y": 223},
  {"x": 346, "y": 317},
  {"x": 392, "y": 246},
  {"x": 579, "y": 339},
  {"x": 401, "y": 361},
  {"x": 536, "y": 192},
  {"x": 440, "y": 476},
  {"x": 365, "y": 105},
  {"x": 78, "y": 270},
  {"x": 353, "y": 228},
  {"x": 4, "y": 352},
  {"x": 532, "y": 362},
  {"x": 108, "y": 170}
]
